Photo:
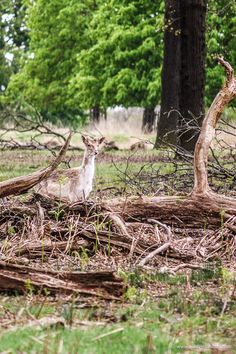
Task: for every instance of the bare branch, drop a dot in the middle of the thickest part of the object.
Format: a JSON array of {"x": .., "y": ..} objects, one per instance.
[
  {"x": 226, "y": 94},
  {"x": 22, "y": 184}
]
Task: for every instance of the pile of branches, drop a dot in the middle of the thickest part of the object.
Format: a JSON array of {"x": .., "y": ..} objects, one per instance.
[
  {"x": 40, "y": 236},
  {"x": 46, "y": 244},
  {"x": 172, "y": 170}
]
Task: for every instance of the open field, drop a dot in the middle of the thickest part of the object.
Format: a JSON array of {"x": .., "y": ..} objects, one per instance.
[
  {"x": 117, "y": 177},
  {"x": 189, "y": 311},
  {"x": 159, "y": 314}
]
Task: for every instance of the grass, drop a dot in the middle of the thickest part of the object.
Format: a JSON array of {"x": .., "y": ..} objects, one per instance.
[
  {"x": 108, "y": 173},
  {"x": 181, "y": 319},
  {"x": 159, "y": 313}
]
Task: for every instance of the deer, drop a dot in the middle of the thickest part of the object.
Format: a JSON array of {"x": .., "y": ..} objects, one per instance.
[{"x": 73, "y": 184}]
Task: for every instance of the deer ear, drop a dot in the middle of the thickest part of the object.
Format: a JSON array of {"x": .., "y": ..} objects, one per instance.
[
  {"x": 101, "y": 140},
  {"x": 84, "y": 139}
]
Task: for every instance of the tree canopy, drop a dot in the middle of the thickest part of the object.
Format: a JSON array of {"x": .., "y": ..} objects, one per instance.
[
  {"x": 57, "y": 34},
  {"x": 122, "y": 67},
  {"x": 70, "y": 56},
  {"x": 221, "y": 40},
  {"x": 13, "y": 39}
]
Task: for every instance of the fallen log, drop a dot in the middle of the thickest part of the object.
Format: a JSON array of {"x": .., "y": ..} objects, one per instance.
[
  {"x": 20, "y": 278},
  {"x": 202, "y": 206},
  {"x": 22, "y": 184},
  {"x": 190, "y": 212},
  {"x": 39, "y": 249}
]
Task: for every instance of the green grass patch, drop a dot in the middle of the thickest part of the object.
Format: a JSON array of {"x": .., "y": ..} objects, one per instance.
[
  {"x": 154, "y": 328},
  {"x": 182, "y": 318}
]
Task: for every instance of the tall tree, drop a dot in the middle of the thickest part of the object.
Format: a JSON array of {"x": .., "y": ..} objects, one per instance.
[
  {"x": 170, "y": 77},
  {"x": 183, "y": 76},
  {"x": 57, "y": 35},
  {"x": 220, "y": 40},
  {"x": 123, "y": 65},
  {"x": 13, "y": 39}
]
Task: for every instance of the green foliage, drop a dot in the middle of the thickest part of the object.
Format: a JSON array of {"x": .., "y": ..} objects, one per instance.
[
  {"x": 76, "y": 55},
  {"x": 221, "y": 40},
  {"x": 124, "y": 62},
  {"x": 13, "y": 39},
  {"x": 57, "y": 35}
]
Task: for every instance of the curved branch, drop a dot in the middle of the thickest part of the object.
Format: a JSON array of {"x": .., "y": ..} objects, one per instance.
[
  {"x": 22, "y": 184},
  {"x": 226, "y": 94},
  {"x": 228, "y": 69}
]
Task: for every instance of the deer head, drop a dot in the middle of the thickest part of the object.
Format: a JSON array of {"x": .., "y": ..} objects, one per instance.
[{"x": 92, "y": 144}]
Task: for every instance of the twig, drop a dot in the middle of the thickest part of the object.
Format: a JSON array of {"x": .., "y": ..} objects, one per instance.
[
  {"x": 154, "y": 253},
  {"x": 117, "y": 330},
  {"x": 167, "y": 228}
]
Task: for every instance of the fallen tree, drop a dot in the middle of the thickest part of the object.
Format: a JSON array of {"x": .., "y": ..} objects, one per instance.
[
  {"x": 21, "y": 278},
  {"x": 202, "y": 206},
  {"x": 131, "y": 231}
]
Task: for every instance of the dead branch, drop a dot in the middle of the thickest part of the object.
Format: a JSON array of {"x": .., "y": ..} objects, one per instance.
[
  {"x": 180, "y": 267},
  {"x": 22, "y": 279},
  {"x": 118, "y": 223},
  {"x": 166, "y": 228},
  {"x": 161, "y": 248},
  {"x": 34, "y": 124},
  {"x": 48, "y": 322},
  {"x": 39, "y": 249},
  {"x": 22, "y": 184},
  {"x": 202, "y": 206},
  {"x": 226, "y": 94},
  {"x": 151, "y": 255}
]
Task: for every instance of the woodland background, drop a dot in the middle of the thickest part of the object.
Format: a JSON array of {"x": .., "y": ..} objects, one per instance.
[
  {"x": 147, "y": 264},
  {"x": 71, "y": 60}
]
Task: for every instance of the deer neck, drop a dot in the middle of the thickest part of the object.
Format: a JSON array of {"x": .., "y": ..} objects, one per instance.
[{"x": 88, "y": 165}]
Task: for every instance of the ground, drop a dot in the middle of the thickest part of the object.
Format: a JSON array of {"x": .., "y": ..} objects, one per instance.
[
  {"x": 190, "y": 316},
  {"x": 190, "y": 311}
]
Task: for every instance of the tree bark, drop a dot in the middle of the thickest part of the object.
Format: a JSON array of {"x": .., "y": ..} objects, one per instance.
[
  {"x": 190, "y": 212},
  {"x": 104, "y": 284},
  {"x": 95, "y": 114},
  {"x": 149, "y": 117},
  {"x": 192, "y": 72},
  {"x": 183, "y": 74},
  {"x": 170, "y": 78}
]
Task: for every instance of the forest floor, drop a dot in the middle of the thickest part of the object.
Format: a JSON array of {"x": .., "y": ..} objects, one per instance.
[{"x": 189, "y": 311}]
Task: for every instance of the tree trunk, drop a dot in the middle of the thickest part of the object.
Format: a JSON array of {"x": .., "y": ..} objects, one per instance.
[
  {"x": 192, "y": 73},
  {"x": 95, "y": 114},
  {"x": 149, "y": 117},
  {"x": 183, "y": 74},
  {"x": 105, "y": 114},
  {"x": 202, "y": 206},
  {"x": 168, "y": 122}
]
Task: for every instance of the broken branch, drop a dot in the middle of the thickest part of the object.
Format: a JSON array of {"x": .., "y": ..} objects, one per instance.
[{"x": 22, "y": 184}]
